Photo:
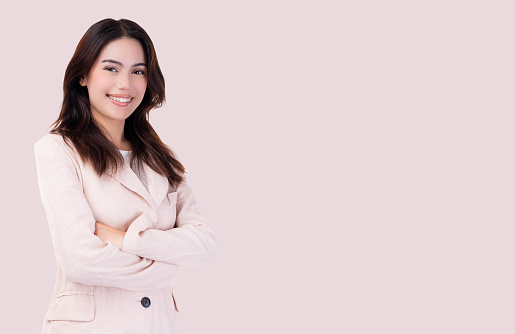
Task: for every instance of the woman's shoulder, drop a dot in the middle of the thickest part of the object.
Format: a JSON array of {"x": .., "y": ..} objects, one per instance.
[
  {"x": 50, "y": 137},
  {"x": 50, "y": 140},
  {"x": 53, "y": 143}
]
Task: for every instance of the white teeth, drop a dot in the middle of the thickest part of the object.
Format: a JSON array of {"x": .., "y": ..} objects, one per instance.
[{"x": 119, "y": 99}]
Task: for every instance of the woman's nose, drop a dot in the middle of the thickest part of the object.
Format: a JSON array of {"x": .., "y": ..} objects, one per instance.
[{"x": 123, "y": 81}]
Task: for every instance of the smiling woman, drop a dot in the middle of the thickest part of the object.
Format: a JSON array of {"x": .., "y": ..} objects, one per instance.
[
  {"x": 121, "y": 214},
  {"x": 116, "y": 83}
]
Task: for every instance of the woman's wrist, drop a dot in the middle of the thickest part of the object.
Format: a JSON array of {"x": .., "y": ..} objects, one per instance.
[{"x": 108, "y": 233}]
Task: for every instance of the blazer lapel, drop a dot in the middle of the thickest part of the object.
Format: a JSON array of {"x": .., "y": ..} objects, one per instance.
[{"x": 157, "y": 184}]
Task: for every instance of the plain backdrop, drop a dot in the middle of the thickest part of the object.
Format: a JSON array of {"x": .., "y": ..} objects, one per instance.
[{"x": 355, "y": 158}]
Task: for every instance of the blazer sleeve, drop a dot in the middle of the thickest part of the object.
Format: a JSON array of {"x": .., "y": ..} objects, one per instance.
[
  {"x": 83, "y": 256},
  {"x": 191, "y": 242}
]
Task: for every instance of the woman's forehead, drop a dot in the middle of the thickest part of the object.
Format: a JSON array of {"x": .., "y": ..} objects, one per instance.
[{"x": 127, "y": 51}]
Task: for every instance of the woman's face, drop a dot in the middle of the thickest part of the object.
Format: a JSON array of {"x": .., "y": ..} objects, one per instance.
[{"x": 117, "y": 81}]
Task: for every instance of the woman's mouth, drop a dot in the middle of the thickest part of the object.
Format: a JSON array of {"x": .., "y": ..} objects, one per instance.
[{"x": 121, "y": 100}]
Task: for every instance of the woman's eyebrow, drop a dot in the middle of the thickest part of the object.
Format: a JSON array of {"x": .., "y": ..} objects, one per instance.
[{"x": 120, "y": 64}]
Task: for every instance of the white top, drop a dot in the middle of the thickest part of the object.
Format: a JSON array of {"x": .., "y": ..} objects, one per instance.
[{"x": 140, "y": 173}]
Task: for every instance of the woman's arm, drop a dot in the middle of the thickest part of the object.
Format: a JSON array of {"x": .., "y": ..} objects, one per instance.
[
  {"x": 108, "y": 233},
  {"x": 81, "y": 254},
  {"x": 191, "y": 242}
]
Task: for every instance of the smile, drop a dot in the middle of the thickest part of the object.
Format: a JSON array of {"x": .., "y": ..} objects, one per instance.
[{"x": 120, "y": 99}]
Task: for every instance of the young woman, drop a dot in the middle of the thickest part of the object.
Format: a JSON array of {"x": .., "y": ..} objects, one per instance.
[{"x": 121, "y": 214}]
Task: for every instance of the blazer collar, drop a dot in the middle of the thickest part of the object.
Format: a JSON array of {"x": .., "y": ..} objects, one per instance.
[{"x": 157, "y": 183}]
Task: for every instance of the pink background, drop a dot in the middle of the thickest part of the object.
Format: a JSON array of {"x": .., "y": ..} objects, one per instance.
[{"x": 356, "y": 159}]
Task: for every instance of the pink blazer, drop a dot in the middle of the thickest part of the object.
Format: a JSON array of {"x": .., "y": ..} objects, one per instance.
[{"x": 98, "y": 288}]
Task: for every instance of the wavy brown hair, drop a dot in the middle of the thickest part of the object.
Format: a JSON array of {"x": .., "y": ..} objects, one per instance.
[{"x": 76, "y": 124}]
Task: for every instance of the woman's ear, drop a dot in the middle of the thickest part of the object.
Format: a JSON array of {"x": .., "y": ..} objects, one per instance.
[{"x": 83, "y": 81}]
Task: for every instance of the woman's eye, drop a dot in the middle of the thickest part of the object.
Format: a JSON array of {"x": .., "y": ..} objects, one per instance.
[
  {"x": 139, "y": 72},
  {"x": 111, "y": 69}
]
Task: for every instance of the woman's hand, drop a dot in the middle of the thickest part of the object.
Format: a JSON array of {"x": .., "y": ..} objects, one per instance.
[{"x": 107, "y": 233}]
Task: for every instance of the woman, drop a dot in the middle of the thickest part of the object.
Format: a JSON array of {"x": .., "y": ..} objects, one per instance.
[{"x": 122, "y": 216}]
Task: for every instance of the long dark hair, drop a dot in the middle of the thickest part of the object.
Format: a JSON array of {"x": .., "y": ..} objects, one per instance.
[{"x": 76, "y": 124}]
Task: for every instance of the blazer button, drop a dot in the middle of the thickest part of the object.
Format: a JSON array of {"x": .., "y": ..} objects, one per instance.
[{"x": 145, "y": 301}]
